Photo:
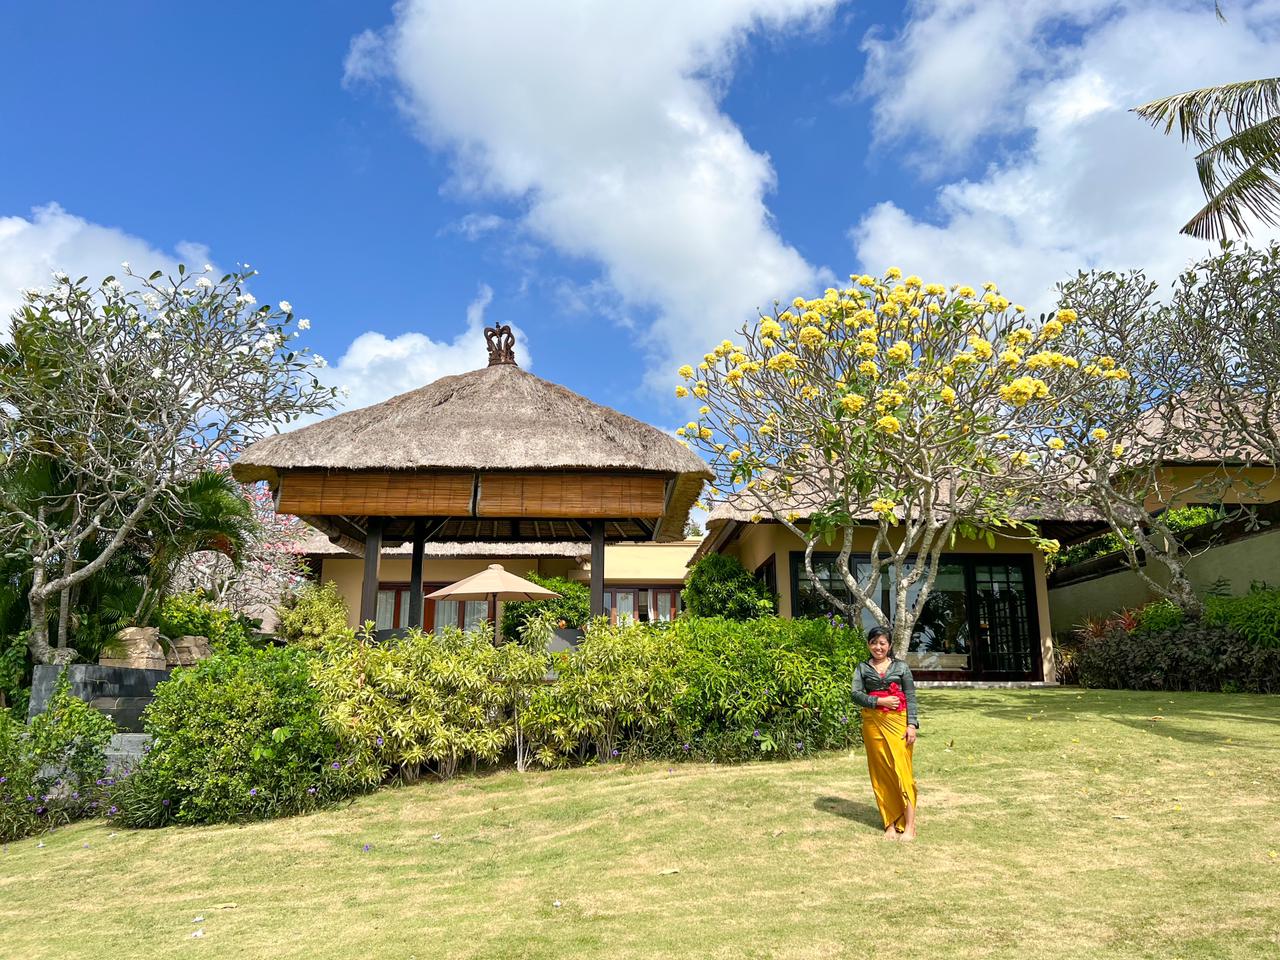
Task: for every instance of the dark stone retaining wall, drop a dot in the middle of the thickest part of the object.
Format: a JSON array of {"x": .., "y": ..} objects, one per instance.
[{"x": 120, "y": 692}]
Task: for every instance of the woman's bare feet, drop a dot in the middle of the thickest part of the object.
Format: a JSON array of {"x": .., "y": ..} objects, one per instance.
[
  {"x": 891, "y": 832},
  {"x": 908, "y": 834}
]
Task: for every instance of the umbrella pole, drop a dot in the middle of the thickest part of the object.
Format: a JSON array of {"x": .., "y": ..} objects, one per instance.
[{"x": 493, "y": 618}]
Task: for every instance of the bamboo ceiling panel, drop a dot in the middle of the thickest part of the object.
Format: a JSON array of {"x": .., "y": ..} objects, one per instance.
[
  {"x": 584, "y": 495},
  {"x": 374, "y": 493}
]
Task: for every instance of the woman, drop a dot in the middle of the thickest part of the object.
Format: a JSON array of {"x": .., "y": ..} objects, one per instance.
[{"x": 882, "y": 686}]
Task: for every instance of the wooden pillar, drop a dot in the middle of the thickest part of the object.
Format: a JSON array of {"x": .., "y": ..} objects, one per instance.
[
  {"x": 372, "y": 557},
  {"x": 597, "y": 568},
  {"x": 415, "y": 574}
]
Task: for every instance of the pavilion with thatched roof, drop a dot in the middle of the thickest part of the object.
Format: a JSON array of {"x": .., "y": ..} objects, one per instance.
[{"x": 494, "y": 455}]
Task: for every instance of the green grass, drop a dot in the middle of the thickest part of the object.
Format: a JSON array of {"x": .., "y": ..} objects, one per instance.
[{"x": 1053, "y": 824}]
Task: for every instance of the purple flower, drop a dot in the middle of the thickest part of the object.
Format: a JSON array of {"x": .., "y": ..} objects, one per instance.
[
  {"x": 686, "y": 748},
  {"x": 30, "y": 798},
  {"x": 800, "y": 745},
  {"x": 615, "y": 753},
  {"x": 337, "y": 765},
  {"x": 75, "y": 796},
  {"x": 164, "y": 802},
  {"x": 39, "y": 809},
  {"x": 309, "y": 790},
  {"x": 253, "y": 792},
  {"x": 379, "y": 741},
  {"x": 113, "y": 811},
  {"x": 98, "y": 781},
  {"x": 367, "y": 847},
  {"x": 756, "y": 733},
  {"x": 4, "y": 779}
]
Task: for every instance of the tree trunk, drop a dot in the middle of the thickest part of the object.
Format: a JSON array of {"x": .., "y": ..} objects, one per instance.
[
  {"x": 64, "y": 602},
  {"x": 38, "y": 637}
]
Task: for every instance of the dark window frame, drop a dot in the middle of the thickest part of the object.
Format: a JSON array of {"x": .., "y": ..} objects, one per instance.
[{"x": 969, "y": 563}]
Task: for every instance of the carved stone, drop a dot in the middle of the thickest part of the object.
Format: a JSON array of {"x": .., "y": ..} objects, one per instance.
[
  {"x": 187, "y": 650},
  {"x": 137, "y": 647}
]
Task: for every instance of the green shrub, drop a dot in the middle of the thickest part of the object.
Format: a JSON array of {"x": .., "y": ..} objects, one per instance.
[
  {"x": 610, "y": 692},
  {"x": 1255, "y": 616},
  {"x": 573, "y": 606},
  {"x": 1160, "y": 615},
  {"x": 314, "y": 615},
  {"x": 773, "y": 686},
  {"x": 1193, "y": 656},
  {"x": 192, "y": 614},
  {"x": 1179, "y": 520},
  {"x": 15, "y": 680},
  {"x": 720, "y": 586},
  {"x": 238, "y": 737},
  {"x": 52, "y": 769},
  {"x": 422, "y": 701}
]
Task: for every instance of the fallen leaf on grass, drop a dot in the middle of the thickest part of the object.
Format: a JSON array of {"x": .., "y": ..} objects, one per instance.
[
  {"x": 669, "y": 871},
  {"x": 198, "y": 920},
  {"x": 1156, "y": 717},
  {"x": 197, "y": 935},
  {"x": 224, "y": 906}
]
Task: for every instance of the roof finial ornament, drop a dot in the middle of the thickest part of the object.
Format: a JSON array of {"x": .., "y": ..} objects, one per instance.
[{"x": 501, "y": 342}]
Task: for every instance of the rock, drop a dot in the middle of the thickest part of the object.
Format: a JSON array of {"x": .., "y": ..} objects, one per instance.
[
  {"x": 187, "y": 650},
  {"x": 136, "y": 647}
]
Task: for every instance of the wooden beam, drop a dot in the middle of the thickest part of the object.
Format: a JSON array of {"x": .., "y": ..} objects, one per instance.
[
  {"x": 597, "y": 568},
  {"x": 384, "y": 493},
  {"x": 548, "y": 494},
  {"x": 372, "y": 556},
  {"x": 415, "y": 574}
]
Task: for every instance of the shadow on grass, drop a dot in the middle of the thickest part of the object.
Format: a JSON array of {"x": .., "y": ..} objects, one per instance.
[
  {"x": 850, "y": 810},
  {"x": 1189, "y": 718}
]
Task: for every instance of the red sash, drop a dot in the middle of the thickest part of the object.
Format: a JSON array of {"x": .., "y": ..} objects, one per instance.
[{"x": 893, "y": 691}]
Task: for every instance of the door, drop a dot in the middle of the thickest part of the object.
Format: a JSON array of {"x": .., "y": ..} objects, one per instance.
[{"x": 1004, "y": 622}]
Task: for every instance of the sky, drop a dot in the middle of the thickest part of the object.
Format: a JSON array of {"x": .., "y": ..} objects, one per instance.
[{"x": 624, "y": 182}]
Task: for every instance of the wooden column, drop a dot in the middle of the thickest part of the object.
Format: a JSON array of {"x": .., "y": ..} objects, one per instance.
[
  {"x": 415, "y": 574},
  {"x": 372, "y": 556},
  {"x": 597, "y": 568}
]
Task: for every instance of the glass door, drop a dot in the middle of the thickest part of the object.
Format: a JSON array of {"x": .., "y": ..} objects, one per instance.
[{"x": 1003, "y": 622}]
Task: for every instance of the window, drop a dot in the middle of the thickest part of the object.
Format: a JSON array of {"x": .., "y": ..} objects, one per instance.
[
  {"x": 980, "y": 616},
  {"x": 664, "y": 605},
  {"x": 464, "y": 614},
  {"x": 393, "y": 609},
  {"x": 622, "y": 605}
]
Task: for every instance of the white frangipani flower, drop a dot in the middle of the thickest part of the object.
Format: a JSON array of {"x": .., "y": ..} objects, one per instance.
[
  {"x": 286, "y": 306},
  {"x": 204, "y": 283},
  {"x": 304, "y": 324},
  {"x": 124, "y": 264},
  {"x": 157, "y": 373},
  {"x": 321, "y": 361},
  {"x": 60, "y": 276},
  {"x": 248, "y": 298},
  {"x": 344, "y": 390},
  {"x": 208, "y": 268}
]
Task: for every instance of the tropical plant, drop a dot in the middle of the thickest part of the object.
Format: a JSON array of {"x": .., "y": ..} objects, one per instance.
[
  {"x": 314, "y": 616},
  {"x": 573, "y": 606},
  {"x": 1237, "y": 128},
  {"x": 720, "y": 586},
  {"x": 194, "y": 370},
  {"x": 905, "y": 412}
]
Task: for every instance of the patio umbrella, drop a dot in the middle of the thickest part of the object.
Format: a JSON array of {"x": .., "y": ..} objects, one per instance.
[{"x": 493, "y": 584}]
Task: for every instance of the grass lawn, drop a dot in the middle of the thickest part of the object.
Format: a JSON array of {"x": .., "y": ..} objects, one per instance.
[{"x": 1054, "y": 823}]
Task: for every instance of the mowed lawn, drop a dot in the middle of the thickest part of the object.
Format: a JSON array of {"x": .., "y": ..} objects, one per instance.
[{"x": 1054, "y": 823}]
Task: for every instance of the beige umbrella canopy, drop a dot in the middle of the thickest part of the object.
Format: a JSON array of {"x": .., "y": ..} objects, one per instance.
[{"x": 493, "y": 584}]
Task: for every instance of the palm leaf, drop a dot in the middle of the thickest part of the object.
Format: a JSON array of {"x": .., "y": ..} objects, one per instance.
[
  {"x": 1238, "y": 127},
  {"x": 1198, "y": 112}
]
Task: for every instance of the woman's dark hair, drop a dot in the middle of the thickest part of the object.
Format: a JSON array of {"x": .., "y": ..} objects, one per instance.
[{"x": 877, "y": 632}]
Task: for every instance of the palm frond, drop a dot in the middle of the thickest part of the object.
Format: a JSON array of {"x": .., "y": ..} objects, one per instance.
[
  {"x": 1198, "y": 113},
  {"x": 1254, "y": 190}
]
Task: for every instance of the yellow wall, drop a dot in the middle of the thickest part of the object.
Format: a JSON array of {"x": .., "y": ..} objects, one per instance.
[
  {"x": 1220, "y": 485},
  {"x": 758, "y": 541},
  {"x": 1238, "y": 563},
  {"x": 625, "y": 564}
]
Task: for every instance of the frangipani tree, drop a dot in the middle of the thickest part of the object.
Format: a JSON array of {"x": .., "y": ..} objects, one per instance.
[
  {"x": 923, "y": 412},
  {"x": 127, "y": 389}
]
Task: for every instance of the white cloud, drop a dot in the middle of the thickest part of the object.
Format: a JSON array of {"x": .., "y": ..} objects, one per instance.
[
  {"x": 52, "y": 239},
  {"x": 376, "y": 367},
  {"x": 1095, "y": 186},
  {"x": 603, "y": 118}
]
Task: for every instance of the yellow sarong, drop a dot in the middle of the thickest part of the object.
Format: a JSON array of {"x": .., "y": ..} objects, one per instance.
[{"x": 889, "y": 760}]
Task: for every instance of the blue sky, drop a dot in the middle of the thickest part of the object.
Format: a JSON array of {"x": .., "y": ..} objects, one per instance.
[{"x": 622, "y": 182}]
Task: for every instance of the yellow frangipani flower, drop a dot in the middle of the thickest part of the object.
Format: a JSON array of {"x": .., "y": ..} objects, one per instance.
[
  {"x": 981, "y": 348},
  {"x": 1019, "y": 308},
  {"x": 913, "y": 282},
  {"x": 1099, "y": 434},
  {"x": 1023, "y": 390},
  {"x": 700, "y": 391},
  {"x": 704, "y": 410},
  {"x": 1011, "y": 358},
  {"x": 1020, "y": 337},
  {"x": 771, "y": 329},
  {"x": 686, "y": 371},
  {"x": 1051, "y": 330},
  {"x": 889, "y": 424},
  {"x": 852, "y": 402},
  {"x": 866, "y": 349},
  {"x": 734, "y": 375},
  {"x": 766, "y": 342},
  {"x": 765, "y": 430},
  {"x": 1056, "y": 443},
  {"x": 782, "y": 362},
  {"x": 705, "y": 434},
  {"x": 893, "y": 273},
  {"x": 948, "y": 395},
  {"x": 1002, "y": 436},
  {"x": 1117, "y": 449},
  {"x": 967, "y": 292},
  {"x": 868, "y": 368},
  {"x": 735, "y": 456},
  {"x": 811, "y": 337},
  {"x": 1068, "y": 316},
  {"x": 882, "y": 505},
  {"x": 680, "y": 431},
  {"x": 900, "y": 352},
  {"x": 1020, "y": 459},
  {"x": 935, "y": 290}
]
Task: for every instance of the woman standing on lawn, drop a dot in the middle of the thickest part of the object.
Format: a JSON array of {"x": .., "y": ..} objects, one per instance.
[{"x": 883, "y": 687}]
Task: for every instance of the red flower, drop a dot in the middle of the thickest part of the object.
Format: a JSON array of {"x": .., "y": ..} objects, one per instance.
[{"x": 893, "y": 691}]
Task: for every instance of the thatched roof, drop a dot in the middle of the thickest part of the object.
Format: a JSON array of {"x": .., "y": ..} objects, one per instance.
[
  {"x": 319, "y": 545},
  {"x": 495, "y": 418}
]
